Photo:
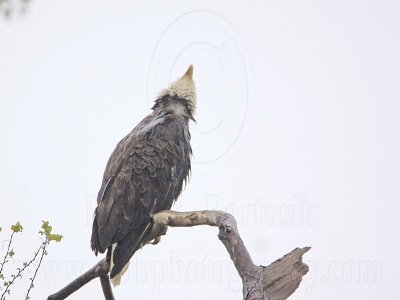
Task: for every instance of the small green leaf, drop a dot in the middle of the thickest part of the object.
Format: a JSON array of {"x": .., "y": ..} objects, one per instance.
[
  {"x": 55, "y": 237},
  {"x": 11, "y": 253},
  {"x": 47, "y": 228},
  {"x": 17, "y": 227}
]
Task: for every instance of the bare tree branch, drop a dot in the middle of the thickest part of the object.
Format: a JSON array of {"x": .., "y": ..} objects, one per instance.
[
  {"x": 106, "y": 286},
  {"x": 275, "y": 282},
  {"x": 101, "y": 270}
]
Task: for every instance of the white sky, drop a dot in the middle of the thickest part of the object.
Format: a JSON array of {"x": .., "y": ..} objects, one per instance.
[{"x": 297, "y": 136}]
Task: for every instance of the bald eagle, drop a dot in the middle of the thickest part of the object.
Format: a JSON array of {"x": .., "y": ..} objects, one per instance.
[{"x": 144, "y": 175}]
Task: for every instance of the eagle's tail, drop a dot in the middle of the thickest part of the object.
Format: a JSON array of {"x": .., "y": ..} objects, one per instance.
[
  {"x": 122, "y": 252},
  {"x": 116, "y": 280}
]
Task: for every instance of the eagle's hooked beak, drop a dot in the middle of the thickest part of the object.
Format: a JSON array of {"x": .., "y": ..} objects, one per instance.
[{"x": 189, "y": 73}]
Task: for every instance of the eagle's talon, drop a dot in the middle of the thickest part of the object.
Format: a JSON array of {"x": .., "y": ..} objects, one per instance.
[{"x": 156, "y": 240}]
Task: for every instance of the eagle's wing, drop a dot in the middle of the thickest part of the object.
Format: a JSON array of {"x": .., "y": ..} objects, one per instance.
[{"x": 144, "y": 175}]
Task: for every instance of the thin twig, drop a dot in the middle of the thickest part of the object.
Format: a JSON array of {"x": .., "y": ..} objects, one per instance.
[
  {"x": 8, "y": 251},
  {"x": 37, "y": 268},
  {"x": 25, "y": 265}
]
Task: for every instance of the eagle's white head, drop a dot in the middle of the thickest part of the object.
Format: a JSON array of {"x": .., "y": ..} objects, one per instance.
[{"x": 184, "y": 89}]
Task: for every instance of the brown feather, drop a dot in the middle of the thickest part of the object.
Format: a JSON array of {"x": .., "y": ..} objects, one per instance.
[{"x": 144, "y": 175}]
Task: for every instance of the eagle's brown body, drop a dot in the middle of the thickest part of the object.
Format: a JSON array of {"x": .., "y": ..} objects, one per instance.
[{"x": 144, "y": 175}]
